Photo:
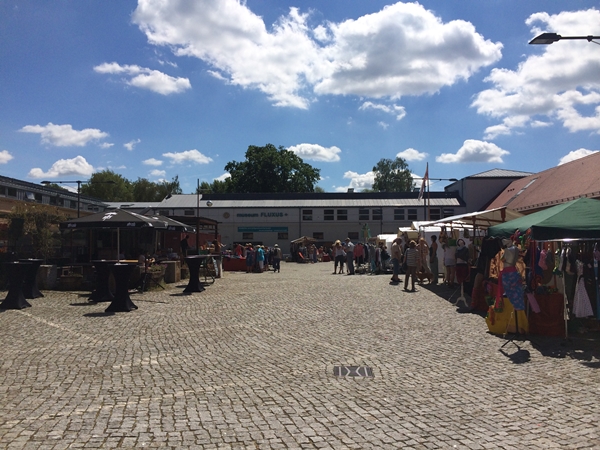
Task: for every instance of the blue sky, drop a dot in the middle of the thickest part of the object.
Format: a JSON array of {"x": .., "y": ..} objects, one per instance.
[{"x": 159, "y": 88}]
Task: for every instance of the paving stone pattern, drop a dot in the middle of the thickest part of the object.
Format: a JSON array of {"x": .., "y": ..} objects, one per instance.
[{"x": 248, "y": 364}]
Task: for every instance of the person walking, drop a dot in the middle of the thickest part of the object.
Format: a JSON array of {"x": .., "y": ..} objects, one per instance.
[
  {"x": 339, "y": 256},
  {"x": 433, "y": 259},
  {"x": 350, "y": 256},
  {"x": 260, "y": 257},
  {"x": 184, "y": 245},
  {"x": 411, "y": 258},
  {"x": 396, "y": 258},
  {"x": 276, "y": 258}
]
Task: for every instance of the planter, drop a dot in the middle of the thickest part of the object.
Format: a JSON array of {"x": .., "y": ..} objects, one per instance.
[
  {"x": 47, "y": 277},
  {"x": 71, "y": 282}
]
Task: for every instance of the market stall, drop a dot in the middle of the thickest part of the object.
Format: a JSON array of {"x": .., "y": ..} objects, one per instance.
[{"x": 560, "y": 245}]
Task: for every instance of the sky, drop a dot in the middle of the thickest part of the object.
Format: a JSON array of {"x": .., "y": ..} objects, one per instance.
[{"x": 162, "y": 88}]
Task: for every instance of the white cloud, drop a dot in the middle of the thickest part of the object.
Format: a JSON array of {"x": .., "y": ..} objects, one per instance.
[
  {"x": 410, "y": 154},
  {"x": 316, "y": 152},
  {"x": 145, "y": 78},
  {"x": 64, "y": 135},
  {"x": 474, "y": 151},
  {"x": 158, "y": 173},
  {"x": 401, "y": 50},
  {"x": 224, "y": 176},
  {"x": 398, "y": 111},
  {"x": 358, "y": 181},
  {"x": 131, "y": 144},
  {"x": 64, "y": 167},
  {"x": 152, "y": 162},
  {"x": 383, "y": 125},
  {"x": 106, "y": 145},
  {"x": 5, "y": 156},
  {"x": 575, "y": 154},
  {"x": 506, "y": 127},
  {"x": 188, "y": 155},
  {"x": 555, "y": 82}
]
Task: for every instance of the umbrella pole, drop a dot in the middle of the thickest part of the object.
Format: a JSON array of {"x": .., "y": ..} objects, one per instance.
[{"x": 118, "y": 245}]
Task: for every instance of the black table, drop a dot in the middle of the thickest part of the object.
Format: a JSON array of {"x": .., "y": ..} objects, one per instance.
[
  {"x": 102, "y": 292},
  {"x": 194, "y": 263},
  {"x": 16, "y": 276},
  {"x": 30, "y": 288},
  {"x": 122, "y": 302}
]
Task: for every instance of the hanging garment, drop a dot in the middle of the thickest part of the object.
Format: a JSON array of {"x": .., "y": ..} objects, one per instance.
[
  {"x": 582, "y": 307},
  {"x": 510, "y": 283}
]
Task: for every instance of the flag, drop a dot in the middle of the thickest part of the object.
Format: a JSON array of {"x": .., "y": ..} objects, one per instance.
[{"x": 425, "y": 180}]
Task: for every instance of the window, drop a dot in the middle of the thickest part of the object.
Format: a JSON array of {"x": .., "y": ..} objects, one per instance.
[
  {"x": 2, "y": 190},
  {"x": 38, "y": 198},
  {"x": 247, "y": 236},
  {"x": 307, "y": 214},
  {"x": 448, "y": 212},
  {"x": 342, "y": 214},
  {"x": 328, "y": 214},
  {"x": 412, "y": 214},
  {"x": 90, "y": 207},
  {"x": 377, "y": 214},
  {"x": 398, "y": 214},
  {"x": 353, "y": 235},
  {"x": 53, "y": 200},
  {"x": 163, "y": 212},
  {"x": 188, "y": 212},
  {"x": 29, "y": 196},
  {"x": 363, "y": 214},
  {"x": 282, "y": 236},
  {"x": 435, "y": 214},
  {"x": 11, "y": 192},
  {"x": 318, "y": 235}
]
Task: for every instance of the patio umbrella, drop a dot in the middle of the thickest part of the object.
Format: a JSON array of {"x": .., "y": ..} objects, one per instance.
[
  {"x": 175, "y": 225},
  {"x": 115, "y": 219}
]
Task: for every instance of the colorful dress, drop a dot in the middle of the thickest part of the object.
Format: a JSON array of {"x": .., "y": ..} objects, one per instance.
[{"x": 582, "y": 307}]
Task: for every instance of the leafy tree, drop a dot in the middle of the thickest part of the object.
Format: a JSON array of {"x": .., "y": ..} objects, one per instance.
[
  {"x": 271, "y": 169},
  {"x": 216, "y": 187},
  {"x": 319, "y": 189},
  {"x": 166, "y": 188},
  {"x": 392, "y": 176},
  {"x": 108, "y": 186},
  {"x": 144, "y": 190},
  {"x": 39, "y": 227}
]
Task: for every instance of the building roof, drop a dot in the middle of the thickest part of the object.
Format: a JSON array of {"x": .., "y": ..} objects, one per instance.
[
  {"x": 316, "y": 200},
  {"x": 500, "y": 173},
  {"x": 553, "y": 186}
]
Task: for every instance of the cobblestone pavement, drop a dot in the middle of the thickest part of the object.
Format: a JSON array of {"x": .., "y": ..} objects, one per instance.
[{"x": 249, "y": 364}]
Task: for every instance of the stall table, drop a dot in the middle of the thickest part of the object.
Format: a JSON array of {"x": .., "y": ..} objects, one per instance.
[
  {"x": 194, "y": 263},
  {"x": 30, "y": 288},
  {"x": 102, "y": 291},
  {"x": 15, "y": 298},
  {"x": 232, "y": 264},
  {"x": 122, "y": 302}
]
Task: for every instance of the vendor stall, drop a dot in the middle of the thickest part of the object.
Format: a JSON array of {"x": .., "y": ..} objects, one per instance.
[{"x": 562, "y": 255}]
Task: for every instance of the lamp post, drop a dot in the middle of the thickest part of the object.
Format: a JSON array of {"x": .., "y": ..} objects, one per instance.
[
  {"x": 550, "y": 38},
  {"x": 78, "y": 188},
  {"x": 209, "y": 204},
  {"x": 428, "y": 200}
]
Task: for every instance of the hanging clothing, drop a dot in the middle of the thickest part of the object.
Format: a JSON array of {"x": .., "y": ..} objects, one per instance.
[
  {"x": 582, "y": 307},
  {"x": 510, "y": 283}
]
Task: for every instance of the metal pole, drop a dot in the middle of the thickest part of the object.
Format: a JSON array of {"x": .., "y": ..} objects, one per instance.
[
  {"x": 78, "y": 197},
  {"x": 198, "y": 216}
]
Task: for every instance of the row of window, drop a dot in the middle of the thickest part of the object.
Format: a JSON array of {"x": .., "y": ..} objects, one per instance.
[
  {"x": 377, "y": 214},
  {"x": 37, "y": 197},
  {"x": 318, "y": 235}
]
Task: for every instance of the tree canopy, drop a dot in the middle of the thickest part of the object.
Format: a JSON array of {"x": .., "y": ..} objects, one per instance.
[
  {"x": 392, "y": 175},
  {"x": 109, "y": 186},
  {"x": 270, "y": 169}
]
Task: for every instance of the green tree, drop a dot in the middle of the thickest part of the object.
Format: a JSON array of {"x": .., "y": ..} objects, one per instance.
[
  {"x": 216, "y": 187},
  {"x": 39, "y": 228},
  {"x": 144, "y": 191},
  {"x": 392, "y": 175},
  {"x": 271, "y": 169},
  {"x": 166, "y": 188},
  {"x": 319, "y": 189},
  {"x": 108, "y": 186}
]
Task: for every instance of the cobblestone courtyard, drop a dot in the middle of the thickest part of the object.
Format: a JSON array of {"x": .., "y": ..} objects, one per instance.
[{"x": 249, "y": 363}]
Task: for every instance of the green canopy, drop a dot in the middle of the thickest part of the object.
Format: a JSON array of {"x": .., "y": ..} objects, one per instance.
[{"x": 577, "y": 219}]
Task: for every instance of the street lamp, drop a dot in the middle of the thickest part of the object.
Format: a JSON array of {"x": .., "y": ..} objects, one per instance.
[
  {"x": 428, "y": 200},
  {"x": 550, "y": 38},
  {"x": 78, "y": 188}
]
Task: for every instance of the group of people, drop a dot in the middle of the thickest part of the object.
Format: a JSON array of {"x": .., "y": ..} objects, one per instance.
[
  {"x": 259, "y": 258},
  {"x": 417, "y": 257},
  {"x": 343, "y": 254}
]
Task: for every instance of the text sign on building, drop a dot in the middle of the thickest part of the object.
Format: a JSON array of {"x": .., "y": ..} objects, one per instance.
[
  {"x": 262, "y": 229},
  {"x": 262, "y": 214}
]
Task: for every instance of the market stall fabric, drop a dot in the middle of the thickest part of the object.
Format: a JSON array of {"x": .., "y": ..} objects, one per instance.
[{"x": 577, "y": 220}]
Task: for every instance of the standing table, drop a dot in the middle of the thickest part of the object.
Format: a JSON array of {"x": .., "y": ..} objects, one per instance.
[
  {"x": 122, "y": 302},
  {"x": 194, "y": 263},
  {"x": 30, "y": 288},
  {"x": 102, "y": 292},
  {"x": 15, "y": 298}
]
